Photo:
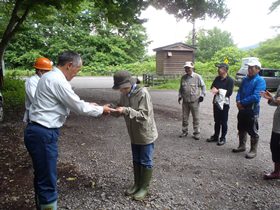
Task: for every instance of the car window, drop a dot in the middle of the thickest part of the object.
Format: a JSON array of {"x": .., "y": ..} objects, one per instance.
[{"x": 269, "y": 73}]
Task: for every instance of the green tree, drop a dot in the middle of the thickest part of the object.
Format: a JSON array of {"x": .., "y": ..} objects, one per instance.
[
  {"x": 17, "y": 11},
  {"x": 211, "y": 41},
  {"x": 274, "y": 5},
  {"x": 231, "y": 54},
  {"x": 269, "y": 52},
  {"x": 106, "y": 46},
  {"x": 119, "y": 13},
  {"x": 192, "y": 10}
]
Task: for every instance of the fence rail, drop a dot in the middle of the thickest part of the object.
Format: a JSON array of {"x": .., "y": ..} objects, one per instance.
[{"x": 154, "y": 79}]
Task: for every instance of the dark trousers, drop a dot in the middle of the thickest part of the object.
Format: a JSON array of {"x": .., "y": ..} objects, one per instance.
[
  {"x": 248, "y": 122},
  {"x": 275, "y": 147},
  {"x": 221, "y": 119},
  {"x": 41, "y": 144}
]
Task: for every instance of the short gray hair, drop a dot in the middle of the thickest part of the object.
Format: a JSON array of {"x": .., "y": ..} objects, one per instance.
[{"x": 69, "y": 56}]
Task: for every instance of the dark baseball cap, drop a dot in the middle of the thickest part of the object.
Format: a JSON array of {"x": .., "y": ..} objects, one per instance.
[{"x": 222, "y": 65}]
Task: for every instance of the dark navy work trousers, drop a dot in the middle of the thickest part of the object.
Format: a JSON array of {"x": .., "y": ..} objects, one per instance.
[
  {"x": 41, "y": 143},
  {"x": 221, "y": 120}
]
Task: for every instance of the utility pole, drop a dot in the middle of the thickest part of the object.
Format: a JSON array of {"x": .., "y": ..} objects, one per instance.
[{"x": 193, "y": 37}]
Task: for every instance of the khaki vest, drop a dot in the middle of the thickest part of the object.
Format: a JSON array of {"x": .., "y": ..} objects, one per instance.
[{"x": 190, "y": 87}]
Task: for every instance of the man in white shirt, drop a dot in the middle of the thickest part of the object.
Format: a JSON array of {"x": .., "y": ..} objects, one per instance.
[
  {"x": 54, "y": 98},
  {"x": 42, "y": 66}
]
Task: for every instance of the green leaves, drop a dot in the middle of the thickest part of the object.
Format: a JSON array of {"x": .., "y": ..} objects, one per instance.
[
  {"x": 211, "y": 41},
  {"x": 193, "y": 9},
  {"x": 269, "y": 52}
]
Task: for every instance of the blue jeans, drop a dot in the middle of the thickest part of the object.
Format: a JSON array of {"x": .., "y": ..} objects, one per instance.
[
  {"x": 143, "y": 154},
  {"x": 41, "y": 143}
]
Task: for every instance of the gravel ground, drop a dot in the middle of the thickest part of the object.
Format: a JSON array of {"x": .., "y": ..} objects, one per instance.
[{"x": 95, "y": 163}]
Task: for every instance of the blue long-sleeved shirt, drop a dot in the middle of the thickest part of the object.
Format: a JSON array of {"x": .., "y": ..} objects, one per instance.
[{"x": 249, "y": 93}]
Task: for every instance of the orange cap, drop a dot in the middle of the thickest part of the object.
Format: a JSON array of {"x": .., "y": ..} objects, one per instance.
[{"x": 43, "y": 64}]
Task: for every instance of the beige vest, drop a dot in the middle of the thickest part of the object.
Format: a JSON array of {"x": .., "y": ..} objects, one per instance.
[{"x": 190, "y": 87}]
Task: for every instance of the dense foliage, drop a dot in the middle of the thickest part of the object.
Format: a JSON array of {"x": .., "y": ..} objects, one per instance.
[
  {"x": 269, "y": 52},
  {"x": 209, "y": 42},
  {"x": 97, "y": 50},
  {"x": 122, "y": 15},
  {"x": 13, "y": 93}
]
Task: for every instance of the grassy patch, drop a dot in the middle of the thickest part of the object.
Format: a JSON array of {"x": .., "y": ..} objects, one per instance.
[{"x": 174, "y": 84}]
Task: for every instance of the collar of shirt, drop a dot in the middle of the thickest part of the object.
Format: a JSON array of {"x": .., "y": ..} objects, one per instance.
[
  {"x": 223, "y": 78},
  {"x": 190, "y": 75},
  {"x": 132, "y": 90},
  {"x": 59, "y": 71}
]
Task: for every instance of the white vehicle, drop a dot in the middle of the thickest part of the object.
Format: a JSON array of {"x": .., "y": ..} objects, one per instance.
[
  {"x": 243, "y": 70},
  {"x": 270, "y": 75}
]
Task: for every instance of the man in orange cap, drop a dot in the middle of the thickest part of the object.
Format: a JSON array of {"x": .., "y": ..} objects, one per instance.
[{"x": 42, "y": 65}]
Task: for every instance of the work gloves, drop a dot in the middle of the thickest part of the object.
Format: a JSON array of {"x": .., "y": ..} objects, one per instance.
[
  {"x": 200, "y": 99},
  {"x": 179, "y": 100}
]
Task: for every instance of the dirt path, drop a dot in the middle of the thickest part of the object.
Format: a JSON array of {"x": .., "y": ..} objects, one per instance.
[{"x": 95, "y": 163}]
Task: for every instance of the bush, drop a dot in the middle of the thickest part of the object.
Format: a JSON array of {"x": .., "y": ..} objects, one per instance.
[
  {"x": 137, "y": 68},
  {"x": 13, "y": 94}
]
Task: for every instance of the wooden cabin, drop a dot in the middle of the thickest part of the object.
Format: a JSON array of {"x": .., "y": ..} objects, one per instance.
[{"x": 170, "y": 59}]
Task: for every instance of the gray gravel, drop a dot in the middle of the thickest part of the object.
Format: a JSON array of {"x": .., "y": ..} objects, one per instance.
[{"x": 188, "y": 174}]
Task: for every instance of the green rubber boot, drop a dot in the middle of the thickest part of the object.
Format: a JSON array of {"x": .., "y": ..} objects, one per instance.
[
  {"x": 146, "y": 175},
  {"x": 133, "y": 189},
  {"x": 242, "y": 142},
  {"x": 50, "y": 206}
]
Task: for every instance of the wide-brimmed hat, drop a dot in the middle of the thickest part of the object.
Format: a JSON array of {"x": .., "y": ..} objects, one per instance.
[
  {"x": 123, "y": 79},
  {"x": 189, "y": 64}
]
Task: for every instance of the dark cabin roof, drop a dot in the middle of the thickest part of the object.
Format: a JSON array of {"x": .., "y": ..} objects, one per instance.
[{"x": 179, "y": 46}]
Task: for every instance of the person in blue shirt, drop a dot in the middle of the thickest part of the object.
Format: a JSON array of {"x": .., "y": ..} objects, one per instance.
[{"x": 247, "y": 101}]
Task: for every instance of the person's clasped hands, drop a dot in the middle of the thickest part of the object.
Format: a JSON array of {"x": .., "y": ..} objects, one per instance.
[
  {"x": 214, "y": 90},
  {"x": 115, "y": 110}
]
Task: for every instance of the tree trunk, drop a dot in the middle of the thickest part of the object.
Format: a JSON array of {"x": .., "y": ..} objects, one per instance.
[
  {"x": 193, "y": 34},
  {"x": 193, "y": 38},
  {"x": 2, "y": 69},
  {"x": 12, "y": 27}
]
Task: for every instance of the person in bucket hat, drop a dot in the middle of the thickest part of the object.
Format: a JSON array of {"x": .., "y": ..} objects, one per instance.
[{"x": 137, "y": 108}]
